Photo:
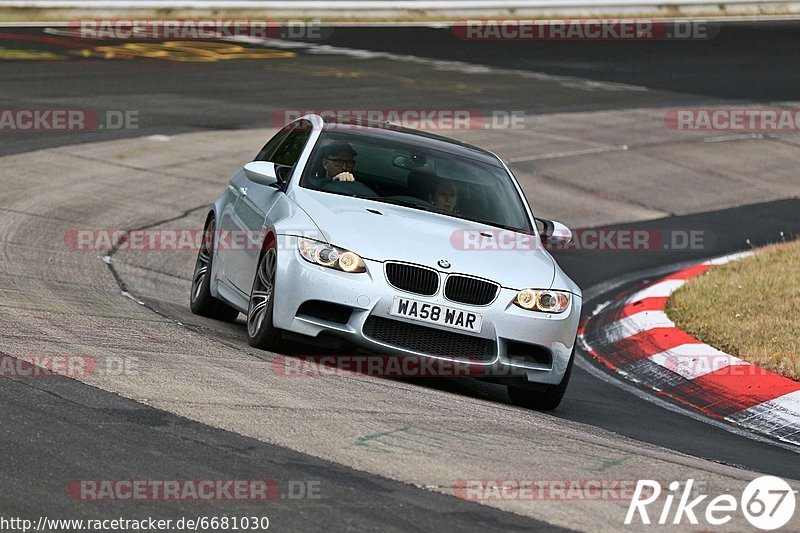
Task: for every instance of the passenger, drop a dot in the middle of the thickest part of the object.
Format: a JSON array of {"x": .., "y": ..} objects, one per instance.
[{"x": 445, "y": 196}]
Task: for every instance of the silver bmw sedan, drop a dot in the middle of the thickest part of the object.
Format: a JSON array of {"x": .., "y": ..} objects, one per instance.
[{"x": 397, "y": 242}]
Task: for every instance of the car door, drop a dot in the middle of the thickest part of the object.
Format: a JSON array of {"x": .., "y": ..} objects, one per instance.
[
  {"x": 255, "y": 201},
  {"x": 227, "y": 225}
]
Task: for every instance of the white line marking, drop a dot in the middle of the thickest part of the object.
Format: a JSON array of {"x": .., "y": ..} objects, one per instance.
[
  {"x": 778, "y": 415},
  {"x": 440, "y": 64},
  {"x": 633, "y": 324},
  {"x": 599, "y": 307},
  {"x": 728, "y": 258},
  {"x": 657, "y": 290},
  {"x": 556, "y": 155},
  {"x": 126, "y": 294},
  {"x": 733, "y": 137}
]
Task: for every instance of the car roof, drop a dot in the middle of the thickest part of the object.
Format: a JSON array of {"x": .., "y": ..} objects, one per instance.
[{"x": 423, "y": 139}]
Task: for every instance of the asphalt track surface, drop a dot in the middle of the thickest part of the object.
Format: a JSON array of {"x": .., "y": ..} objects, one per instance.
[
  {"x": 756, "y": 62},
  {"x": 124, "y": 439},
  {"x": 54, "y": 431}
]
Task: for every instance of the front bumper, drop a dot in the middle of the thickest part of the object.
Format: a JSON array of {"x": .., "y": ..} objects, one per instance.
[{"x": 370, "y": 295}]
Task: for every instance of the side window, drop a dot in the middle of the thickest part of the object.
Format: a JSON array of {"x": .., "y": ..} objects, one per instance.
[
  {"x": 290, "y": 148},
  {"x": 266, "y": 152}
]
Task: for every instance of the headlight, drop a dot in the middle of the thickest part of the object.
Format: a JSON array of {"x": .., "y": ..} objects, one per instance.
[
  {"x": 544, "y": 301},
  {"x": 330, "y": 256}
]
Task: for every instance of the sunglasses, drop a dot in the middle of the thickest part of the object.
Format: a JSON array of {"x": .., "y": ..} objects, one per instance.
[{"x": 342, "y": 162}]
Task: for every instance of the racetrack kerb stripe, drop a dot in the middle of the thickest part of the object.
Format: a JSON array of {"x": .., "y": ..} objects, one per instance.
[{"x": 627, "y": 335}]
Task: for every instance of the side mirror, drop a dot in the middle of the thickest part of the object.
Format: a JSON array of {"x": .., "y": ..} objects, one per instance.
[
  {"x": 261, "y": 172},
  {"x": 555, "y": 232}
]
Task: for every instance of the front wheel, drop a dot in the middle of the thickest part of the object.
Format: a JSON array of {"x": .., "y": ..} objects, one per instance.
[
  {"x": 546, "y": 400},
  {"x": 201, "y": 301},
  {"x": 261, "y": 333}
]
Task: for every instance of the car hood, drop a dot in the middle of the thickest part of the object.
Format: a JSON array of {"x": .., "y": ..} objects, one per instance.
[{"x": 416, "y": 236}]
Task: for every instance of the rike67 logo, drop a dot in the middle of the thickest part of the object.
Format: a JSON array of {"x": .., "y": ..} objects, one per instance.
[{"x": 767, "y": 503}]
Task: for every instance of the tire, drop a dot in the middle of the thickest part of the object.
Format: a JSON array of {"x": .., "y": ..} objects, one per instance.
[
  {"x": 201, "y": 301},
  {"x": 546, "y": 400},
  {"x": 261, "y": 333}
]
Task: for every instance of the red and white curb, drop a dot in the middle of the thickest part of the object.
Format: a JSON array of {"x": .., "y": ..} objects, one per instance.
[{"x": 634, "y": 337}]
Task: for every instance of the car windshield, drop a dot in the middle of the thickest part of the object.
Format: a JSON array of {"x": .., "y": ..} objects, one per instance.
[{"x": 381, "y": 169}]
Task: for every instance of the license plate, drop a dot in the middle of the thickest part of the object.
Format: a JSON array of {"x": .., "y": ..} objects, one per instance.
[{"x": 436, "y": 314}]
